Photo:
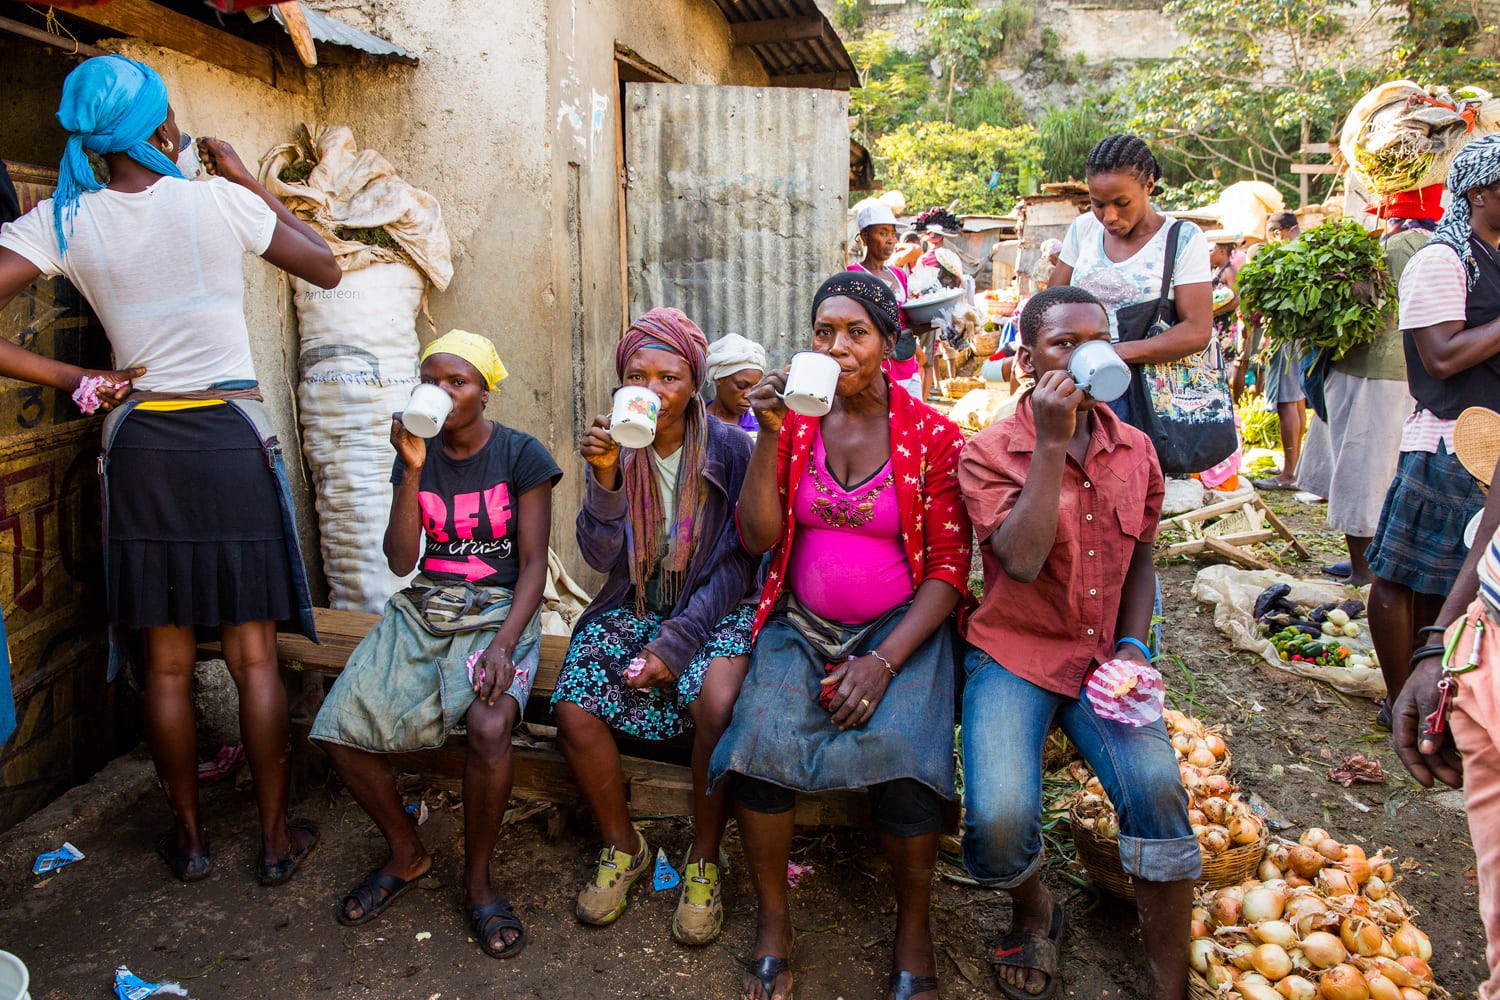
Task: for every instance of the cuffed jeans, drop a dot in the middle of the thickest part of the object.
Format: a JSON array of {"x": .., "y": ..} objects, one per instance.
[{"x": 1005, "y": 723}]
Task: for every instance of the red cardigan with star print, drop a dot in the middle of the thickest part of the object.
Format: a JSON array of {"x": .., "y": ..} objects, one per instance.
[{"x": 935, "y": 527}]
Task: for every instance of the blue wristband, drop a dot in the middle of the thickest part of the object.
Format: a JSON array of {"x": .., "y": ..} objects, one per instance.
[{"x": 1138, "y": 644}]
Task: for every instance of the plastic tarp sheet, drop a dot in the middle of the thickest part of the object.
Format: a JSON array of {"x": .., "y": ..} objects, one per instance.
[{"x": 1232, "y": 592}]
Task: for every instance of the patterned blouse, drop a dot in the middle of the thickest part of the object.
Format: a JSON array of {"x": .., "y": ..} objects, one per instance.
[{"x": 935, "y": 528}]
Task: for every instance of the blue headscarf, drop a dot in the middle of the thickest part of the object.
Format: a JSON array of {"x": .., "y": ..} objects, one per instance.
[
  {"x": 110, "y": 104},
  {"x": 1476, "y": 165}
]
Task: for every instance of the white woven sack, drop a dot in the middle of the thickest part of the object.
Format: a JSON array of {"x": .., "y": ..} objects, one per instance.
[{"x": 358, "y": 364}]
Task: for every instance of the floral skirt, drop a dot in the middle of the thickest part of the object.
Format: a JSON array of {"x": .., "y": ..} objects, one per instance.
[{"x": 593, "y": 674}]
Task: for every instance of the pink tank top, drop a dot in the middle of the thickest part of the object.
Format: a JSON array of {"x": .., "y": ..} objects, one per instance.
[{"x": 847, "y": 562}]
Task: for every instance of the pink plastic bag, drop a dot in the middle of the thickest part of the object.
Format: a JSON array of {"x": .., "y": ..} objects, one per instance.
[{"x": 1127, "y": 691}]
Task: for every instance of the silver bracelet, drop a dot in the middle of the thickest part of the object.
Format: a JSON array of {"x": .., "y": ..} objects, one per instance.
[{"x": 876, "y": 653}]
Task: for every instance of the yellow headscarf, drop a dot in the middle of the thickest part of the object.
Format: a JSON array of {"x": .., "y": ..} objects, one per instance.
[{"x": 476, "y": 350}]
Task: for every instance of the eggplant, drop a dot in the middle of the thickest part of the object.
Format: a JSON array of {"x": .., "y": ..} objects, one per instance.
[
  {"x": 1307, "y": 628},
  {"x": 1319, "y": 614},
  {"x": 1353, "y": 608},
  {"x": 1268, "y": 598}
]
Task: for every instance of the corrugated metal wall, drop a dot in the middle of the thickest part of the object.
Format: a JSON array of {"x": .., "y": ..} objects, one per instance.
[{"x": 735, "y": 205}]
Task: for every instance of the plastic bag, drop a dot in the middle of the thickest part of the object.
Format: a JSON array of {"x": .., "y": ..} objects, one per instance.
[
  {"x": 1232, "y": 592},
  {"x": 1127, "y": 691}
]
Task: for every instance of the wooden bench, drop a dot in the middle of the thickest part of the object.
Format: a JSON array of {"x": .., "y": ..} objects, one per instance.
[{"x": 654, "y": 786}]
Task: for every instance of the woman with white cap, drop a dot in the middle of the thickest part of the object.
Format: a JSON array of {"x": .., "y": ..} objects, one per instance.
[
  {"x": 877, "y": 231},
  {"x": 735, "y": 365}
]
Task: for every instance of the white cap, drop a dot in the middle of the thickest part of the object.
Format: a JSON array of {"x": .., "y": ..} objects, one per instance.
[{"x": 874, "y": 215}]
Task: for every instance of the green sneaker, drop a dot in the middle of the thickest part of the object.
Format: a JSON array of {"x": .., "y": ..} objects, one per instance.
[
  {"x": 700, "y": 909},
  {"x": 603, "y": 900}
]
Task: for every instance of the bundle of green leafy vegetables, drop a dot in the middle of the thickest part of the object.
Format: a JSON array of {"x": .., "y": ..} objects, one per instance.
[{"x": 1328, "y": 290}]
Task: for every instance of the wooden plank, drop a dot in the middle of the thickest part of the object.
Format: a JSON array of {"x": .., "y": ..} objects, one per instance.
[
  {"x": 813, "y": 81},
  {"x": 69, "y": 45},
  {"x": 1203, "y": 513},
  {"x": 1314, "y": 168},
  {"x": 1287, "y": 533},
  {"x": 1233, "y": 554},
  {"x": 780, "y": 29},
  {"x": 161, "y": 26}
]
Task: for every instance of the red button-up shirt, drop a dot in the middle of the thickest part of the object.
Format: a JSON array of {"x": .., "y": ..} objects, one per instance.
[
  {"x": 1054, "y": 630},
  {"x": 924, "y": 457}
]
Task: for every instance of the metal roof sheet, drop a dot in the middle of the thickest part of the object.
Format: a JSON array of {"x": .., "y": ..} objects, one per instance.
[{"x": 332, "y": 31}]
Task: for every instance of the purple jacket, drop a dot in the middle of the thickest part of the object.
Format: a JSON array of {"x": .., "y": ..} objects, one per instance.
[{"x": 721, "y": 574}]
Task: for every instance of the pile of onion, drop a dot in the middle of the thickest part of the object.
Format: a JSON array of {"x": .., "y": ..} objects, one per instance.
[
  {"x": 1341, "y": 934},
  {"x": 1221, "y": 819},
  {"x": 1195, "y": 743}
]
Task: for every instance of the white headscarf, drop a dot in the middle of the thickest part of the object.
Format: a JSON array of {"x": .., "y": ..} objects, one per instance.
[{"x": 732, "y": 353}]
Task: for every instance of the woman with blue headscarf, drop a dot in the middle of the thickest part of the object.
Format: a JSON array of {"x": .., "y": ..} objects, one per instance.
[
  {"x": 197, "y": 512},
  {"x": 1449, "y": 312}
]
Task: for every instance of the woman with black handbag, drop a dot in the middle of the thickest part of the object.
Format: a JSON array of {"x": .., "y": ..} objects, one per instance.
[{"x": 1160, "y": 305}]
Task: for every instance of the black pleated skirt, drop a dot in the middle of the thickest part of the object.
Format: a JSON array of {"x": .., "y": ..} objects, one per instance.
[{"x": 195, "y": 528}]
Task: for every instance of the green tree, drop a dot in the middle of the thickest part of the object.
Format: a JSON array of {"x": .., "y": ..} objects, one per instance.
[
  {"x": 962, "y": 37},
  {"x": 935, "y": 163},
  {"x": 1258, "y": 78},
  {"x": 1255, "y": 80},
  {"x": 1067, "y": 133},
  {"x": 895, "y": 84}
]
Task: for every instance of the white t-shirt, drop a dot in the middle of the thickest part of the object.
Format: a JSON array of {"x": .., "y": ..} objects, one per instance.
[
  {"x": 1434, "y": 288},
  {"x": 1137, "y": 279},
  {"x": 163, "y": 270}
]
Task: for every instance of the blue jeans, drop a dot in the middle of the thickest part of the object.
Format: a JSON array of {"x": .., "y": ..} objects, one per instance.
[{"x": 1005, "y": 723}]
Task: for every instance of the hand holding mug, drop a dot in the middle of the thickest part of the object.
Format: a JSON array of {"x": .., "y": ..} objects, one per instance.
[
  {"x": 766, "y": 402},
  {"x": 410, "y": 449},
  {"x": 600, "y": 450}
]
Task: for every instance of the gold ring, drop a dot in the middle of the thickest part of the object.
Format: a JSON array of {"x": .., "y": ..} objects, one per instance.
[{"x": 864, "y": 702}]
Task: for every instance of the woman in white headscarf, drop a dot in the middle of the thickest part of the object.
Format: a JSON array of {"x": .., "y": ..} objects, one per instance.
[{"x": 735, "y": 365}]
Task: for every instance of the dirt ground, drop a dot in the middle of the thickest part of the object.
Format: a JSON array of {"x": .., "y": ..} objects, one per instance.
[{"x": 228, "y": 937}]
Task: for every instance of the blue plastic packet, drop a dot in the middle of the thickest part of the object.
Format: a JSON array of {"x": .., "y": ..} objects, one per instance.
[
  {"x": 129, "y": 986},
  {"x": 665, "y": 877},
  {"x": 50, "y": 861}
]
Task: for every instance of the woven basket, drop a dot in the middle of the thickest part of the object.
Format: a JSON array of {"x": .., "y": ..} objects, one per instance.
[
  {"x": 1101, "y": 859},
  {"x": 985, "y": 342}
]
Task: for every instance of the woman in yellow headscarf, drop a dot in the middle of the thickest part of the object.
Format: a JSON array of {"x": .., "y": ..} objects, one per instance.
[{"x": 471, "y": 511}]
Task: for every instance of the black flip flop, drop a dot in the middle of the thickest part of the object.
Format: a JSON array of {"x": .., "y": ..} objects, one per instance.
[
  {"x": 766, "y": 971},
  {"x": 280, "y": 872},
  {"x": 1032, "y": 952},
  {"x": 500, "y": 910},
  {"x": 368, "y": 895},
  {"x": 185, "y": 868},
  {"x": 905, "y": 985}
]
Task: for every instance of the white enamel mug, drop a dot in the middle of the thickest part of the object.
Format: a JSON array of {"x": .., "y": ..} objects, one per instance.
[
  {"x": 632, "y": 421},
  {"x": 810, "y": 383},
  {"x": 1098, "y": 371},
  {"x": 426, "y": 410}
]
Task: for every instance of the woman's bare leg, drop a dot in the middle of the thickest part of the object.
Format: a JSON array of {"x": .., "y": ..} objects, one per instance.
[
  {"x": 172, "y": 731},
  {"x": 711, "y": 712}
]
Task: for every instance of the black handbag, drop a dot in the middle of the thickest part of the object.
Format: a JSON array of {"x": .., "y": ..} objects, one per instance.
[{"x": 1184, "y": 407}]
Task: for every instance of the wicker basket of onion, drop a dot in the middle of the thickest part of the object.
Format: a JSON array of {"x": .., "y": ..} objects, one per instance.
[
  {"x": 1231, "y": 837},
  {"x": 1328, "y": 926}
]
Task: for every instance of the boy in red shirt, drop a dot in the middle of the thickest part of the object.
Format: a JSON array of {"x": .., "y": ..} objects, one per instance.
[{"x": 1065, "y": 499}]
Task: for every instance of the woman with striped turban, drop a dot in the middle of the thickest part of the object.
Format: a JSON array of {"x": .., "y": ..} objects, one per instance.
[{"x": 664, "y": 645}]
